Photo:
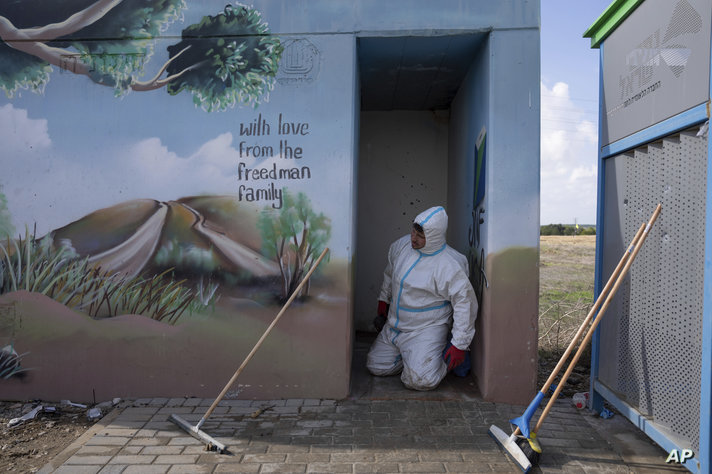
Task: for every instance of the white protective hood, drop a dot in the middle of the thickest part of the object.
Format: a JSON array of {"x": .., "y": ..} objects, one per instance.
[{"x": 434, "y": 224}]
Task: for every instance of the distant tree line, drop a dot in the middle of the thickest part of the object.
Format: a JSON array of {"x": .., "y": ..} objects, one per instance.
[{"x": 561, "y": 229}]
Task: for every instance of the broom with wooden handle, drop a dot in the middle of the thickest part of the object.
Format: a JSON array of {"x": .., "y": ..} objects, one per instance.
[
  {"x": 522, "y": 423},
  {"x": 509, "y": 443},
  {"x": 597, "y": 320},
  {"x": 195, "y": 431}
]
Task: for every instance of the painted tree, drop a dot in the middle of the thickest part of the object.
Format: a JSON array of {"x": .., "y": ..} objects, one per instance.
[
  {"x": 223, "y": 60},
  {"x": 295, "y": 236},
  {"x": 6, "y": 228}
]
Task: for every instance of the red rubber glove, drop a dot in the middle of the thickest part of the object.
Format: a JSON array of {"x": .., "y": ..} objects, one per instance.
[
  {"x": 382, "y": 317},
  {"x": 454, "y": 357}
]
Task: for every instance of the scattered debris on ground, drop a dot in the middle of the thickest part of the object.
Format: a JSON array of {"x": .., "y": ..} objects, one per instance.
[
  {"x": 579, "y": 380},
  {"x": 30, "y": 440}
]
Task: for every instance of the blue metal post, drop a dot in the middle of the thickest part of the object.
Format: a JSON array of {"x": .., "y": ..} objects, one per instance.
[
  {"x": 705, "y": 454},
  {"x": 596, "y": 398}
]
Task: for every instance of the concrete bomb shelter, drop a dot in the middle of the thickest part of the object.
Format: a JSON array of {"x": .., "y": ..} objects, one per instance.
[{"x": 203, "y": 154}]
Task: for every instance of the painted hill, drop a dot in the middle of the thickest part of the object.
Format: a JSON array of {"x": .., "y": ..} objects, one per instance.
[{"x": 194, "y": 235}]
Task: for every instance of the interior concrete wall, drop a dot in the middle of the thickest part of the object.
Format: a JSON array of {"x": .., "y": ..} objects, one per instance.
[
  {"x": 469, "y": 114},
  {"x": 402, "y": 170},
  {"x": 353, "y": 195}
]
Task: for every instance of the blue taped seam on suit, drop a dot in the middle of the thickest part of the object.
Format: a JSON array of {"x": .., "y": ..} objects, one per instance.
[
  {"x": 431, "y": 215},
  {"x": 396, "y": 336},
  {"x": 420, "y": 255},
  {"x": 434, "y": 253},
  {"x": 400, "y": 290},
  {"x": 422, "y": 310}
]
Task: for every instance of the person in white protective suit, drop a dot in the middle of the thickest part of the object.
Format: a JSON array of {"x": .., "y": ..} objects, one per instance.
[{"x": 425, "y": 290}]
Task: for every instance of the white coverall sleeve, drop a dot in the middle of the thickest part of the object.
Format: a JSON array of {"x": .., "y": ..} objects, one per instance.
[
  {"x": 386, "y": 289},
  {"x": 461, "y": 295}
]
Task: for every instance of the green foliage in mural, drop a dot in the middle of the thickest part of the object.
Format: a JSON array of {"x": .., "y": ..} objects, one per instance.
[
  {"x": 6, "y": 227},
  {"x": 227, "y": 58},
  {"x": 294, "y": 235},
  {"x": 111, "y": 41},
  {"x": 59, "y": 273}
]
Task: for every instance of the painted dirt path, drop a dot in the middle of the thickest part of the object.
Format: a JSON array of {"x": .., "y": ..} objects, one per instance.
[
  {"x": 132, "y": 255},
  {"x": 238, "y": 254}
]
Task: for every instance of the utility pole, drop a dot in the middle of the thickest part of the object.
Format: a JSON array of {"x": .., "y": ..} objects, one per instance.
[{"x": 575, "y": 226}]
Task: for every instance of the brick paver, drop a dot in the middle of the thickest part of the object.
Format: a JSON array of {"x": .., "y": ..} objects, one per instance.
[{"x": 327, "y": 436}]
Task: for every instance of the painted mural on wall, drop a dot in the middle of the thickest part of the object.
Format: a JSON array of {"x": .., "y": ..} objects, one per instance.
[
  {"x": 160, "y": 199},
  {"x": 476, "y": 252}
]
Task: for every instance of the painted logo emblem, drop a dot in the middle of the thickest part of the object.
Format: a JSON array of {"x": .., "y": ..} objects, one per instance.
[
  {"x": 671, "y": 48},
  {"x": 299, "y": 63}
]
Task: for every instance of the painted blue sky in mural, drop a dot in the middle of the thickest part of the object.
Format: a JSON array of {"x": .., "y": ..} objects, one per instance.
[
  {"x": 124, "y": 152},
  {"x": 65, "y": 158}
]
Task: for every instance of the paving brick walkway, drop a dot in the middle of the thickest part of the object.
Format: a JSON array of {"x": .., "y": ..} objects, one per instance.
[{"x": 350, "y": 436}]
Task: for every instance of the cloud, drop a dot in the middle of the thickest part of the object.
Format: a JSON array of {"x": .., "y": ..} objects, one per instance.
[
  {"x": 213, "y": 168},
  {"x": 150, "y": 156},
  {"x": 163, "y": 174},
  {"x": 19, "y": 133},
  {"x": 569, "y": 159},
  {"x": 48, "y": 190},
  {"x": 218, "y": 154}
]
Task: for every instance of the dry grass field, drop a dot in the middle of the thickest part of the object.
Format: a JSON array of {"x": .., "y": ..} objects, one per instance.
[
  {"x": 566, "y": 271},
  {"x": 566, "y": 274}
]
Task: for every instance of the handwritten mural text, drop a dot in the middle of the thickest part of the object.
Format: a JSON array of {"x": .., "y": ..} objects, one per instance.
[{"x": 259, "y": 176}]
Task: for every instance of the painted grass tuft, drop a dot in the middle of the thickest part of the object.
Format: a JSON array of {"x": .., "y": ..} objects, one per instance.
[{"x": 59, "y": 273}]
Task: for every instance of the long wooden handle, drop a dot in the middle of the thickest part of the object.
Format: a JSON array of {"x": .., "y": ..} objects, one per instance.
[
  {"x": 591, "y": 313},
  {"x": 601, "y": 297},
  {"x": 609, "y": 298},
  {"x": 264, "y": 336}
]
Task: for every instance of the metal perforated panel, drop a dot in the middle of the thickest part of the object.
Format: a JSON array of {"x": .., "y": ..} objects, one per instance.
[{"x": 656, "y": 321}]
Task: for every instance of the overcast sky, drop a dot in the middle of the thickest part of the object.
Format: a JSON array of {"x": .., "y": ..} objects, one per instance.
[{"x": 569, "y": 111}]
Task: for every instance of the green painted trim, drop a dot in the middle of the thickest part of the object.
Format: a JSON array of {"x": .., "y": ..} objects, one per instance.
[{"x": 609, "y": 20}]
